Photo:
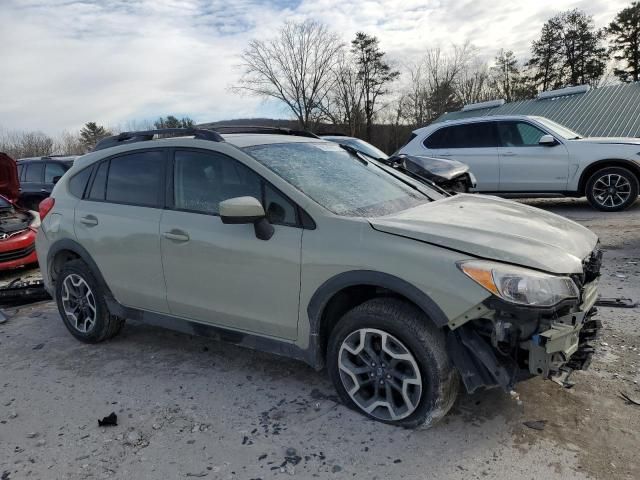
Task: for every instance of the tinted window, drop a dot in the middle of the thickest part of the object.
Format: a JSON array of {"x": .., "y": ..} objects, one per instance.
[
  {"x": 519, "y": 134},
  {"x": 202, "y": 180},
  {"x": 20, "y": 170},
  {"x": 472, "y": 135},
  {"x": 136, "y": 178},
  {"x": 79, "y": 181},
  {"x": 34, "y": 172},
  {"x": 99, "y": 182},
  {"x": 437, "y": 139},
  {"x": 53, "y": 170}
]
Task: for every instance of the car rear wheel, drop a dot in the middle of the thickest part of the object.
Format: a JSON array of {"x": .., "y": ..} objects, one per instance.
[
  {"x": 612, "y": 189},
  {"x": 389, "y": 362},
  {"x": 82, "y": 306}
]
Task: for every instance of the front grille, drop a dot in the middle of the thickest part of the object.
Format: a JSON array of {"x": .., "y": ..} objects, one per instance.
[{"x": 16, "y": 254}]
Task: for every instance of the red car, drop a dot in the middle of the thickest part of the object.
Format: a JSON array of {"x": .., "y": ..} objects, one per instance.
[{"x": 17, "y": 225}]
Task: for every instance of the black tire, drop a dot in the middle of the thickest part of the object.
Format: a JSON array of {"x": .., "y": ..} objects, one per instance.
[
  {"x": 425, "y": 342},
  {"x": 595, "y": 182},
  {"x": 105, "y": 326}
]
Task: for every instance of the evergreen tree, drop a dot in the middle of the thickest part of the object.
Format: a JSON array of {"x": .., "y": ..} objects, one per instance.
[
  {"x": 374, "y": 73},
  {"x": 625, "y": 33},
  {"x": 92, "y": 133}
]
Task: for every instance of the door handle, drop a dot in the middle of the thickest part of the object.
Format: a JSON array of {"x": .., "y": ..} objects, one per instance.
[
  {"x": 44, "y": 190},
  {"x": 509, "y": 154},
  {"x": 445, "y": 155},
  {"x": 89, "y": 221},
  {"x": 176, "y": 236}
]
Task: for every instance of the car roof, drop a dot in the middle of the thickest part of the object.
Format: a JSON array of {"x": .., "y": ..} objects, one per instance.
[
  {"x": 242, "y": 140},
  {"x": 53, "y": 158},
  {"x": 462, "y": 121},
  {"x": 339, "y": 137}
]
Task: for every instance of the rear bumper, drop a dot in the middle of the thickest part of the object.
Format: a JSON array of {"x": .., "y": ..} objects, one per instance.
[{"x": 18, "y": 250}]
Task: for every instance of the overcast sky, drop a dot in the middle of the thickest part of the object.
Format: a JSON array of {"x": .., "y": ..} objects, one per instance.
[{"x": 66, "y": 62}]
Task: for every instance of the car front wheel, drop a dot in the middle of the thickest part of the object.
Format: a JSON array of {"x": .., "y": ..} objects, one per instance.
[
  {"x": 612, "y": 189},
  {"x": 389, "y": 362}
]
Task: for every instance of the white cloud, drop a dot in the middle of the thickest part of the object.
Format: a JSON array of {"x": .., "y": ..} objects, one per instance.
[{"x": 66, "y": 62}]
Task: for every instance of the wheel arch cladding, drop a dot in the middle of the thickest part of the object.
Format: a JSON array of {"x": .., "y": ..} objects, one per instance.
[
  {"x": 324, "y": 308},
  {"x": 601, "y": 164},
  {"x": 65, "y": 249}
]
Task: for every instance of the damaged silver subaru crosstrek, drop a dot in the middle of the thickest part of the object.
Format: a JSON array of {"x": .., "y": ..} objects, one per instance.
[{"x": 280, "y": 241}]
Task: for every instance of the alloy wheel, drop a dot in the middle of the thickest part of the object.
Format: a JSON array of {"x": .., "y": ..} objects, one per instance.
[
  {"x": 380, "y": 374},
  {"x": 78, "y": 303},
  {"x": 611, "y": 190}
]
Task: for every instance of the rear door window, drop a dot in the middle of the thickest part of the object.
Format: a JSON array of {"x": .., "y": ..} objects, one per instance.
[
  {"x": 473, "y": 135},
  {"x": 437, "y": 139},
  {"x": 34, "y": 173},
  {"x": 136, "y": 179},
  {"x": 78, "y": 182}
]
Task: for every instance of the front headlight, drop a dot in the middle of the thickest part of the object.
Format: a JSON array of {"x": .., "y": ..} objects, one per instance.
[{"x": 520, "y": 285}]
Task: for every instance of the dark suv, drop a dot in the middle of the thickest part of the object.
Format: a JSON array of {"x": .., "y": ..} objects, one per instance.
[{"x": 38, "y": 175}]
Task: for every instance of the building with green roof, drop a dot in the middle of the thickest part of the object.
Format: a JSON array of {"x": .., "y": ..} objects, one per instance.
[{"x": 612, "y": 111}]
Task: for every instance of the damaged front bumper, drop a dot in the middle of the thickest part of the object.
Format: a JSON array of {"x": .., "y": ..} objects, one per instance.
[{"x": 507, "y": 344}]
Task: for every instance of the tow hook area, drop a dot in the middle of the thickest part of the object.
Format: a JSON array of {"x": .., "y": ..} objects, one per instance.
[{"x": 556, "y": 353}]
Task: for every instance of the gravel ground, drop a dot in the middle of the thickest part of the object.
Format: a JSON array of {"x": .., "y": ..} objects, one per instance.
[{"x": 194, "y": 408}]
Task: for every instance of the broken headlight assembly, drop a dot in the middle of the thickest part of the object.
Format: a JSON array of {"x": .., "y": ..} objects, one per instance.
[{"x": 519, "y": 285}]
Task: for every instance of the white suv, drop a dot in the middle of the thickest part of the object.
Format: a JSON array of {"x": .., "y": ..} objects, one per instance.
[{"x": 519, "y": 154}]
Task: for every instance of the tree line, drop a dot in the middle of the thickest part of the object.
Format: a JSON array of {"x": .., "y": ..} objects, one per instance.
[
  {"x": 353, "y": 88},
  {"x": 38, "y": 144}
]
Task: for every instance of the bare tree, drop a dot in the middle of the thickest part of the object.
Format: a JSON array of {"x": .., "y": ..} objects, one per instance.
[
  {"x": 343, "y": 105},
  {"x": 434, "y": 87},
  {"x": 473, "y": 83},
  {"x": 415, "y": 99},
  {"x": 25, "y": 144},
  {"x": 295, "y": 67},
  {"x": 69, "y": 143}
]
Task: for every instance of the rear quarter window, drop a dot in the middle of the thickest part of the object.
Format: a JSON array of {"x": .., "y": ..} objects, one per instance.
[{"x": 78, "y": 183}]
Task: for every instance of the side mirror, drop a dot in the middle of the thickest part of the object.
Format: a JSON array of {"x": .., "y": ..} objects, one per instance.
[
  {"x": 56, "y": 179},
  {"x": 547, "y": 141},
  {"x": 241, "y": 210}
]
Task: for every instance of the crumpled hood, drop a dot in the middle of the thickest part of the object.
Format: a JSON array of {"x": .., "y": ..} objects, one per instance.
[
  {"x": 610, "y": 140},
  {"x": 436, "y": 167},
  {"x": 496, "y": 229}
]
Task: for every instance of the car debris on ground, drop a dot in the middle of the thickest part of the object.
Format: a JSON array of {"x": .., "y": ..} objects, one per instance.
[
  {"x": 110, "y": 420},
  {"x": 616, "y": 302}
]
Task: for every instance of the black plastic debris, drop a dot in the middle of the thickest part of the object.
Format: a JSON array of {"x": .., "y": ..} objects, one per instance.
[
  {"x": 21, "y": 292},
  {"x": 39, "y": 346},
  {"x": 109, "y": 421},
  {"x": 535, "y": 424},
  {"x": 616, "y": 302}
]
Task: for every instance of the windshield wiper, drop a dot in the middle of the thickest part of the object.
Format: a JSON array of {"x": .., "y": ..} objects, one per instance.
[{"x": 354, "y": 152}]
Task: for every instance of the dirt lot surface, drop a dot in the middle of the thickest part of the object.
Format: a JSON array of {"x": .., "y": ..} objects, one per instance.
[{"x": 194, "y": 408}]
